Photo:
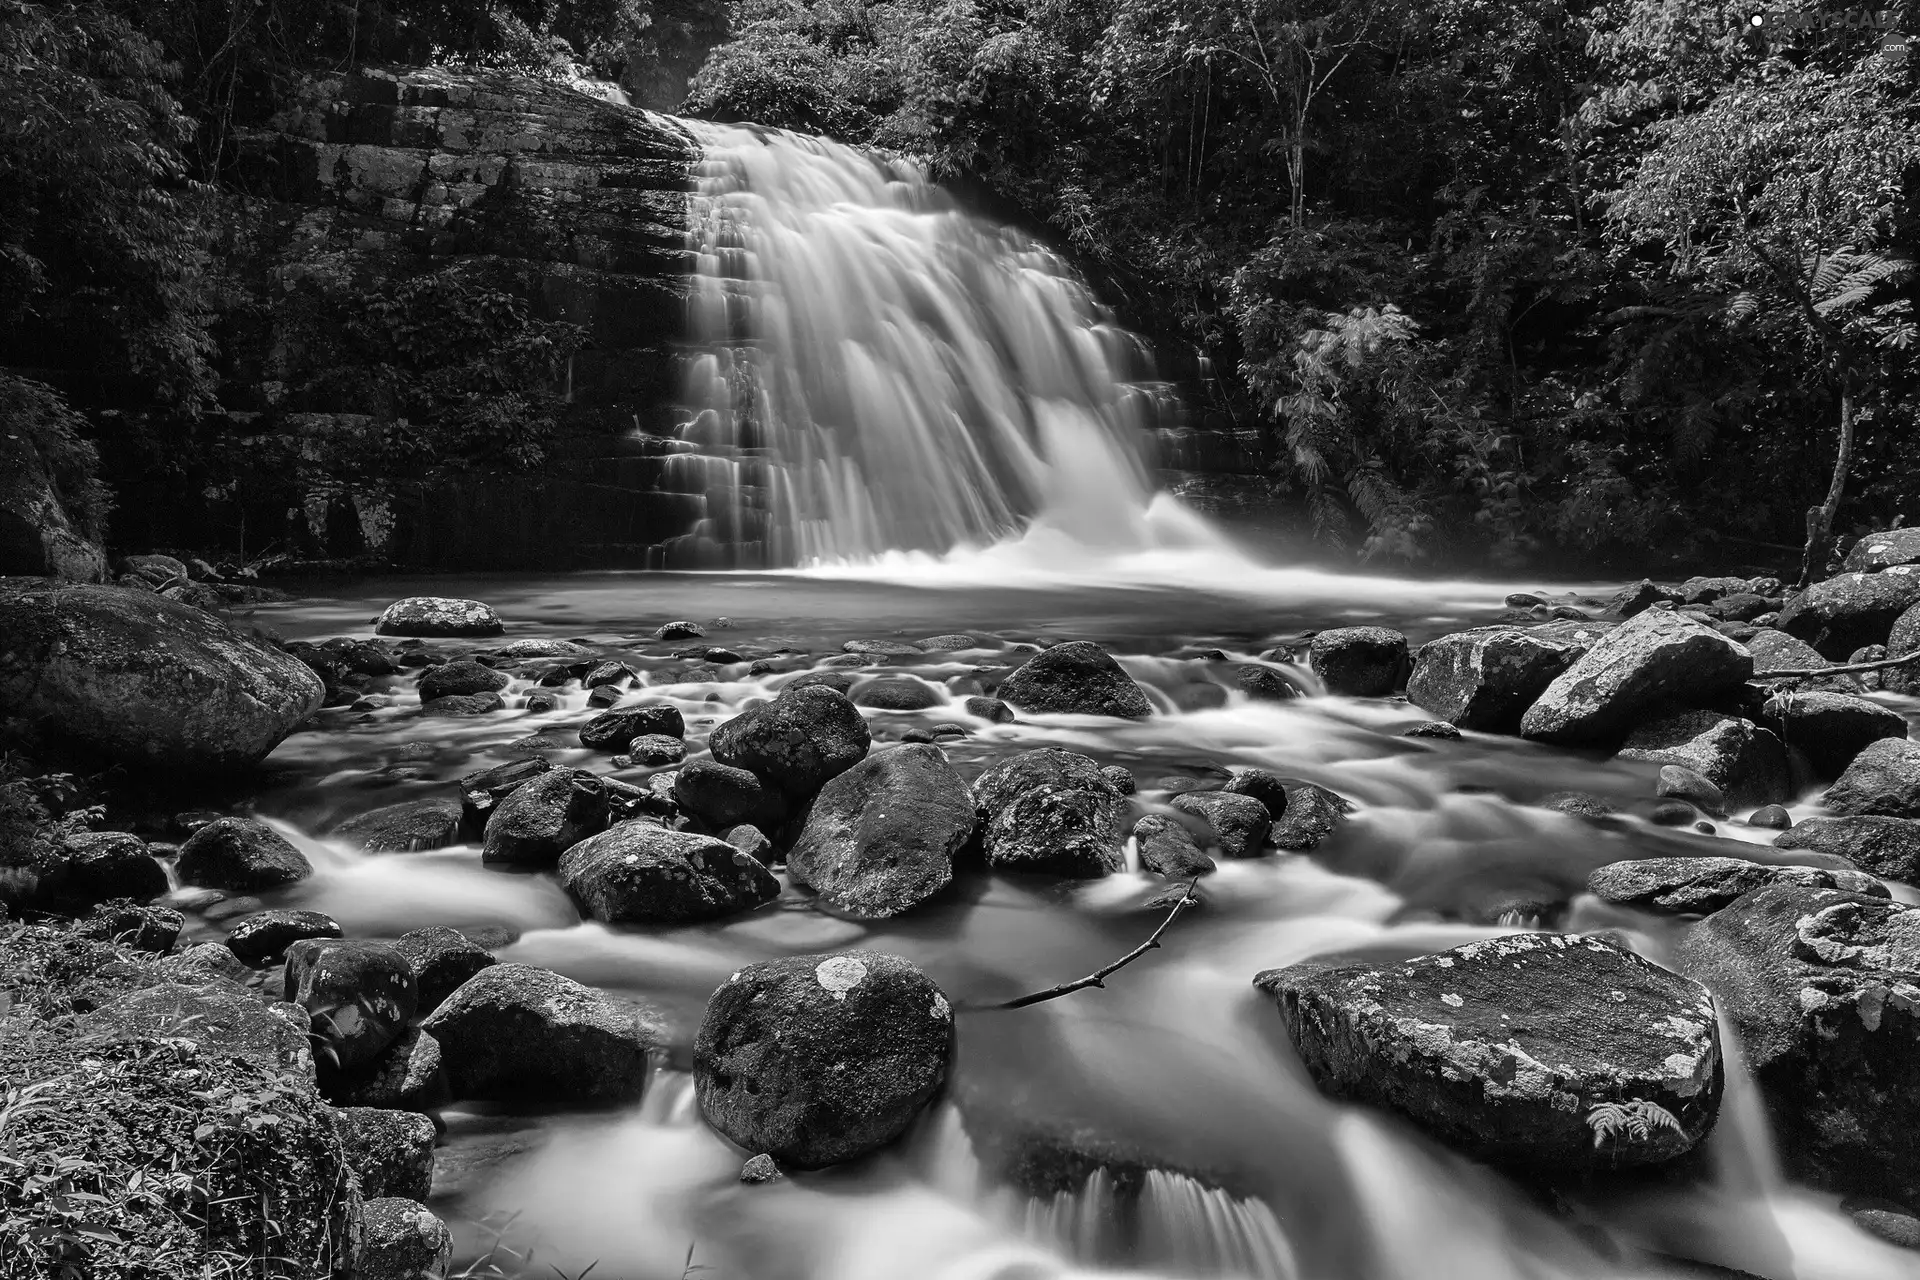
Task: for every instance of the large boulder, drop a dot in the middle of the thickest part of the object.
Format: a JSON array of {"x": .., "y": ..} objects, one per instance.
[
  {"x": 1746, "y": 762},
  {"x": 723, "y": 796},
  {"x": 406, "y": 1076},
  {"x": 1883, "y": 780},
  {"x": 880, "y": 839},
  {"x": 1079, "y": 678},
  {"x": 516, "y": 1032},
  {"x": 147, "y": 681},
  {"x": 1883, "y": 551},
  {"x": 1775, "y": 650},
  {"x": 816, "y": 1060},
  {"x": 220, "y": 1015},
  {"x": 84, "y": 869},
  {"x": 1701, "y": 886},
  {"x": 999, "y": 785},
  {"x": 1359, "y": 662},
  {"x": 1903, "y": 640},
  {"x": 1831, "y": 728},
  {"x": 1052, "y": 812},
  {"x": 1887, "y": 847},
  {"x": 1652, "y": 658},
  {"x": 798, "y": 742},
  {"x": 1823, "y": 988},
  {"x": 242, "y": 855},
  {"x": 1555, "y": 1052},
  {"x": 639, "y": 873},
  {"x": 408, "y": 827},
  {"x": 1486, "y": 680},
  {"x": 360, "y": 996},
  {"x": 1239, "y": 823},
  {"x": 262, "y": 938},
  {"x": 437, "y": 616},
  {"x": 1851, "y": 611},
  {"x": 614, "y": 730},
  {"x": 544, "y": 818},
  {"x": 442, "y": 960}
]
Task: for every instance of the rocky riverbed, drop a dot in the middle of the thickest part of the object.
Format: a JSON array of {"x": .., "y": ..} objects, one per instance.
[{"x": 1590, "y": 894}]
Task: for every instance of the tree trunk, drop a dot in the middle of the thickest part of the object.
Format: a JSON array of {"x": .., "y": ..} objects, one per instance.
[
  {"x": 1297, "y": 177},
  {"x": 1820, "y": 518}
]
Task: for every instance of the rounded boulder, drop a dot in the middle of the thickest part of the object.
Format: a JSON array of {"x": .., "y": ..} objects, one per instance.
[{"x": 437, "y": 616}]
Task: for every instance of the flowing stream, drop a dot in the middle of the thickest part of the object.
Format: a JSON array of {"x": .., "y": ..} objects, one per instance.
[{"x": 931, "y": 423}]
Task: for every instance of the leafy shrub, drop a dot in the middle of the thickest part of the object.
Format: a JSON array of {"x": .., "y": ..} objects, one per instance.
[{"x": 40, "y": 416}]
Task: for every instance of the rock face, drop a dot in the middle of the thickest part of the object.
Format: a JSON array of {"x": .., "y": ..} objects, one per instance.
[
  {"x": 242, "y": 855},
  {"x": 360, "y": 995},
  {"x": 1239, "y": 823},
  {"x": 544, "y": 818},
  {"x": 1851, "y": 611},
  {"x": 1485, "y": 680},
  {"x": 1824, "y": 990},
  {"x": 1079, "y": 678},
  {"x": 638, "y": 873},
  {"x": 798, "y": 742},
  {"x": 145, "y": 680},
  {"x": 881, "y": 838},
  {"x": 1746, "y": 763},
  {"x": 1887, "y": 847},
  {"x": 1701, "y": 886},
  {"x": 1883, "y": 780},
  {"x": 816, "y": 1060},
  {"x": 1831, "y": 728},
  {"x": 437, "y": 616},
  {"x": 1359, "y": 662},
  {"x": 411, "y": 826},
  {"x": 1654, "y": 657},
  {"x": 514, "y": 1031},
  {"x": 1883, "y": 551},
  {"x": 1550, "y": 1051}
]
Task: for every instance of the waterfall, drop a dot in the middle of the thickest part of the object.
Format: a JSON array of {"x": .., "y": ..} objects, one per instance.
[{"x": 875, "y": 370}]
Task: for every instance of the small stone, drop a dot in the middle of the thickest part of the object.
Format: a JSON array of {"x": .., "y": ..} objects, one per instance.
[
  {"x": 1433, "y": 729},
  {"x": 1122, "y": 779},
  {"x": 1672, "y": 813},
  {"x": 1680, "y": 783},
  {"x": 989, "y": 709},
  {"x": 678, "y": 631},
  {"x": 1312, "y": 815},
  {"x": 476, "y": 704},
  {"x": 1772, "y": 815},
  {"x": 760, "y": 1170},
  {"x": 1168, "y": 849},
  {"x": 1266, "y": 684},
  {"x": 458, "y": 679}
]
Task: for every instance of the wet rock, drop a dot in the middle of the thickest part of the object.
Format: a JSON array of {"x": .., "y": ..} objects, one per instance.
[
  {"x": 1438, "y": 729},
  {"x": 484, "y": 789},
  {"x": 1359, "y": 662},
  {"x": 1312, "y": 815},
  {"x": 1742, "y": 606},
  {"x": 1486, "y": 680},
  {"x": 1894, "y": 1223},
  {"x": 1831, "y": 728},
  {"x": 1266, "y": 684},
  {"x": 678, "y": 631},
  {"x": 437, "y": 616},
  {"x": 1646, "y": 661},
  {"x": 1855, "y": 609},
  {"x": 881, "y": 838},
  {"x": 1887, "y": 847},
  {"x": 360, "y": 995},
  {"x": 543, "y": 649},
  {"x": 400, "y": 1240},
  {"x": 1638, "y": 598},
  {"x": 1077, "y": 678},
  {"x": 898, "y": 694},
  {"x": 262, "y": 938},
  {"x": 412, "y": 826},
  {"x": 1883, "y": 780},
  {"x": 1677, "y": 782},
  {"x": 1121, "y": 778},
  {"x": 607, "y": 673},
  {"x": 1903, "y": 640},
  {"x": 513, "y": 1031},
  {"x": 442, "y": 959},
  {"x": 1823, "y": 988},
  {"x": 1771, "y": 815},
  {"x": 999, "y": 785},
  {"x": 1775, "y": 650},
  {"x": 1701, "y": 886},
  {"x": 760, "y": 1170},
  {"x": 146, "y": 681},
  {"x": 242, "y": 855},
  {"x": 1168, "y": 849},
  {"x": 639, "y": 873},
  {"x": 798, "y": 742},
  {"x": 471, "y": 704},
  {"x": 87, "y": 868},
  {"x": 656, "y": 749},
  {"x": 751, "y": 841},
  {"x": 1239, "y": 822},
  {"x": 1671, "y": 813},
  {"x": 881, "y": 648},
  {"x": 838, "y": 681},
  {"x": 1577, "y": 804},
  {"x": 391, "y": 1150},
  {"x": 817, "y": 1060},
  {"x": 1548, "y": 1051},
  {"x": 544, "y": 818},
  {"x": 1884, "y": 550},
  {"x": 990, "y": 709},
  {"x": 1262, "y": 786},
  {"x": 1710, "y": 590},
  {"x": 615, "y": 730},
  {"x": 724, "y": 796},
  {"x": 129, "y": 924},
  {"x": 1053, "y": 812},
  {"x": 405, "y": 1076},
  {"x": 1745, "y": 762},
  {"x": 460, "y": 679}
]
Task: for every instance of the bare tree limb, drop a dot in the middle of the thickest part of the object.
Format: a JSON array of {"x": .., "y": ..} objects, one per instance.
[
  {"x": 1881, "y": 665},
  {"x": 1099, "y": 977}
]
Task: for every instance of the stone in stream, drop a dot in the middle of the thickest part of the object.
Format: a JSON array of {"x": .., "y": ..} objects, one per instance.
[
  {"x": 817, "y": 1060},
  {"x": 723, "y": 796},
  {"x": 607, "y": 673},
  {"x": 543, "y": 649},
  {"x": 360, "y": 995},
  {"x": 412, "y": 826},
  {"x": 1638, "y": 598},
  {"x": 1052, "y": 812},
  {"x": 1239, "y": 823},
  {"x": 460, "y": 679},
  {"x": 516, "y": 1032},
  {"x": 442, "y": 959},
  {"x": 989, "y": 709},
  {"x": 1262, "y": 786},
  {"x": 1883, "y": 550},
  {"x": 1775, "y": 650},
  {"x": 262, "y": 938},
  {"x": 1438, "y": 729},
  {"x": 881, "y": 648},
  {"x": 546, "y": 817},
  {"x": 1168, "y": 849},
  {"x": 406, "y": 1076},
  {"x": 881, "y": 838},
  {"x": 1646, "y": 661},
  {"x": 483, "y": 789},
  {"x": 1677, "y": 782},
  {"x": 838, "y": 681},
  {"x": 798, "y": 742},
  {"x": 1555, "y": 1052},
  {"x": 678, "y": 631},
  {"x": 615, "y": 730},
  {"x": 399, "y": 1239},
  {"x": 898, "y": 693},
  {"x": 1701, "y": 886},
  {"x": 1485, "y": 680},
  {"x": 639, "y": 873},
  {"x": 391, "y": 1150},
  {"x": 760, "y": 1170},
  {"x": 1077, "y": 678},
  {"x": 1121, "y": 777},
  {"x": 656, "y": 749},
  {"x": 1823, "y": 988},
  {"x": 1771, "y": 815},
  {"x": 1847, "y": 612},
  {"x": 1579, "y": 804},
  {"x": 1312, "y": 815},
  {"x": 1359, "y": 662},
  {"x": 1882, "y": 781},
  {"x": 1265, "y": 684},
  {"x": 146, "y": 681},
  {"x": 1887, "y": 847},
  {"x": 1831, "y": 728},
  {"x": 1904, "y": 639},
  {"x": 437, "y": 616},
  {"x": 464, "y": 704},
  {"x": 83, "y": 869},
  {"x": 241, "y": 855},
  {"x": 751, "y": 841}
]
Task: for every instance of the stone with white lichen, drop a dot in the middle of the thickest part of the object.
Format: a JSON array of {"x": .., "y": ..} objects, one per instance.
[
  {"x": 437, "y": 616},
  {"x": 1555, "y": 1052}
]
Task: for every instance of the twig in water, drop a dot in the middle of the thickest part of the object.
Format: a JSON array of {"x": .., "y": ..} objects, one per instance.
[
  {"x": 1098, "y": 977},
  {"x": 1849, "y": 669}
]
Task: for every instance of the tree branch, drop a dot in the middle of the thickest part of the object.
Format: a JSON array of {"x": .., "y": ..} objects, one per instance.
[
  {"x": 1098, "y": 977},
  {"x": 1881, "y": 665}
]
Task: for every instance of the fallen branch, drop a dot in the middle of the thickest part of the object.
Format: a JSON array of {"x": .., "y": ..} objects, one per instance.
[
  {"x": 1098, "y": 978},
  {"x": 1881, "y": 665}
]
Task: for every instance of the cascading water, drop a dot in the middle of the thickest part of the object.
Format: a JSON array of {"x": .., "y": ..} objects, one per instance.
[{"x": 880, "y": 372}]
